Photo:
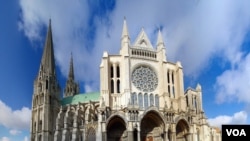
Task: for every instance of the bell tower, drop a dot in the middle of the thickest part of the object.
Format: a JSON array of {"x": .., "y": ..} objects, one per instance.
[{"x": 46, "y": 95}]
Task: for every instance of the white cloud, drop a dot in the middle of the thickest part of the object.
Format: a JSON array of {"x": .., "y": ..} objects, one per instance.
[
  {"x": 194, "y": 31},
  {"x": 15, "y": 132},
  {"x": 237, "y": 118},
  {"x": 4, "y": 139},
  {"x": 14, "y": 119},
  {"x": 234, "y": 84}
]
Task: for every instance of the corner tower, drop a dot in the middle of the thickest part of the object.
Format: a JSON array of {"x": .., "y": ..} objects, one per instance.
[{"x": 46, "y": 95}]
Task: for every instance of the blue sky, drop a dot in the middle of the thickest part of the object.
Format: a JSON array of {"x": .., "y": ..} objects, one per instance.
[{"x": 210, "y": 38}]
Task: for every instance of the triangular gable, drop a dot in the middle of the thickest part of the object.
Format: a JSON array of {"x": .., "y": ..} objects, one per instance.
[{"x": 143, "y": 41}]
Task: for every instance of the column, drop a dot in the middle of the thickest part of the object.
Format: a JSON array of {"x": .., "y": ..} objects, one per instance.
[{"x": 138, "y": 135}]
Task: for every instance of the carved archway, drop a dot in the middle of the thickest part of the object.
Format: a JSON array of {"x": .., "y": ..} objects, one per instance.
[
  {"x": 152, "y": 127},
  {"x": 116, "y": 129},
  {"x": 182, "y": 130}
]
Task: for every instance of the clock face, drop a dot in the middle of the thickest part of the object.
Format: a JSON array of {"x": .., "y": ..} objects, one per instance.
[{"x": 144, "y": 79}]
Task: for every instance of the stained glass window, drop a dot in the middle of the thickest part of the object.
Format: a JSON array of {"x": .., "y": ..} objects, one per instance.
[
  {"x": 146, "y": 100},
  {"x": 144, "y": 79},
  {"x": 140, "y": 100},
  {"x": 151, "y": 98}
]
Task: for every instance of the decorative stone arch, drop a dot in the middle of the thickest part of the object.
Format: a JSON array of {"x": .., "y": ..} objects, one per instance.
[
  {"x": 152, "y": 125},
  {"x": 153, "y": 109},
  {"x": 182, "y": 130},
  {"x": 116, "y": 128}
]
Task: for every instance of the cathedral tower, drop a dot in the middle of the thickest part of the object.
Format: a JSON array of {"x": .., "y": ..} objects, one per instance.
[{"x": 46, "y": 95}]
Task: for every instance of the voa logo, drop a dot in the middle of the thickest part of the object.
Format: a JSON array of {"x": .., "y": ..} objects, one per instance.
[{"x": 236, "y": 132}]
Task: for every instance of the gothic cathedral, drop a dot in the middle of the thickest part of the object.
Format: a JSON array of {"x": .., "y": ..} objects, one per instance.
[{"x": 141, "y": 98}]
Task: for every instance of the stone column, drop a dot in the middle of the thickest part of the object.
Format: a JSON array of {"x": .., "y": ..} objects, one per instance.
[
  {"x": 166, "y": 136},
  {"x": 138, "y": 135}
]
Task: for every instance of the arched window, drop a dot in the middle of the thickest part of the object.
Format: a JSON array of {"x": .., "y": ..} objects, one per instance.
[
  {"x": 168, "y": 77},
  {"x": 157, "y": 101},
  {"x": 169, "y": 91},
  {"x": 140, "y": 100},
  {"x": 172, "y": 77},
  {"x": 40, "y": 125},
  {"x": 145, "y": 100},
  {"x": 173, "y": 91},
  {"x": 195, "y": 103},
  {"x": 111, "y": 72},
  {"x": 133, "y": 99},
  {"x": 118, "y": 71},
  {"x": 47, "y": 85},
  {"x": 34, "y": 127},
  {"x": 151, "y": 100},
  {"x": 112, "y": 86},
  {"x": 118, "y": 86}
]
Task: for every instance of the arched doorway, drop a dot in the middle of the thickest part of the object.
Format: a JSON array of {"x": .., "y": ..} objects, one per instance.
[
  {"x": 116, "y": 129},
  {"x": 182, "y": 131},
  {"x": 152, "y": 127}
]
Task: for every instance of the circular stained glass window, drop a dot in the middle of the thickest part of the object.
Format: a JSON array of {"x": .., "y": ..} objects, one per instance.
[{"x": 144, "y": 79}]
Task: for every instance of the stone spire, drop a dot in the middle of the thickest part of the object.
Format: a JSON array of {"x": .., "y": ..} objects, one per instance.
[
  {"x": 71, "y": 88},
  {"x": 160, "y": 40},
  {"x": 48, "y": 61},
  {"x": 125, "y": 33},
  {"x": 161, "y": 47},
  {"x": 125, "y": 40},
  {"x": 71, "y": 69}
]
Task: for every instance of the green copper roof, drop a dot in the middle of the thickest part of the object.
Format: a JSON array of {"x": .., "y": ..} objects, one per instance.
[{"x": 83, "y": 98}]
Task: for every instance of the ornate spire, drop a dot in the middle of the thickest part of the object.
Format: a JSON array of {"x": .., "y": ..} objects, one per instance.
[
  {"x": 48, "y": 61},
  {"x": 71, "y": 88},
  {"x": 125, "y": 29}
]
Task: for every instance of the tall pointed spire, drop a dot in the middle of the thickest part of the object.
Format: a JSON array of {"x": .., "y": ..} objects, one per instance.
[
  {"x": 48, "y": 61},
  {"x": 71, "y": 69},
  {"x": 125, "y": 41},
  {"x": 71, "y": 88},
  {"x": 160, "y": 39},
  {"x": 125, "y": 29}
]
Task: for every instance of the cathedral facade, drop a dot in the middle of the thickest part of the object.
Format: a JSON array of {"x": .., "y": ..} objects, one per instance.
[{"x": 141, "y": 98}]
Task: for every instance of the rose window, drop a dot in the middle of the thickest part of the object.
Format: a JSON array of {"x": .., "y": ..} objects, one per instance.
[{"x": 144, "y": 79}]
